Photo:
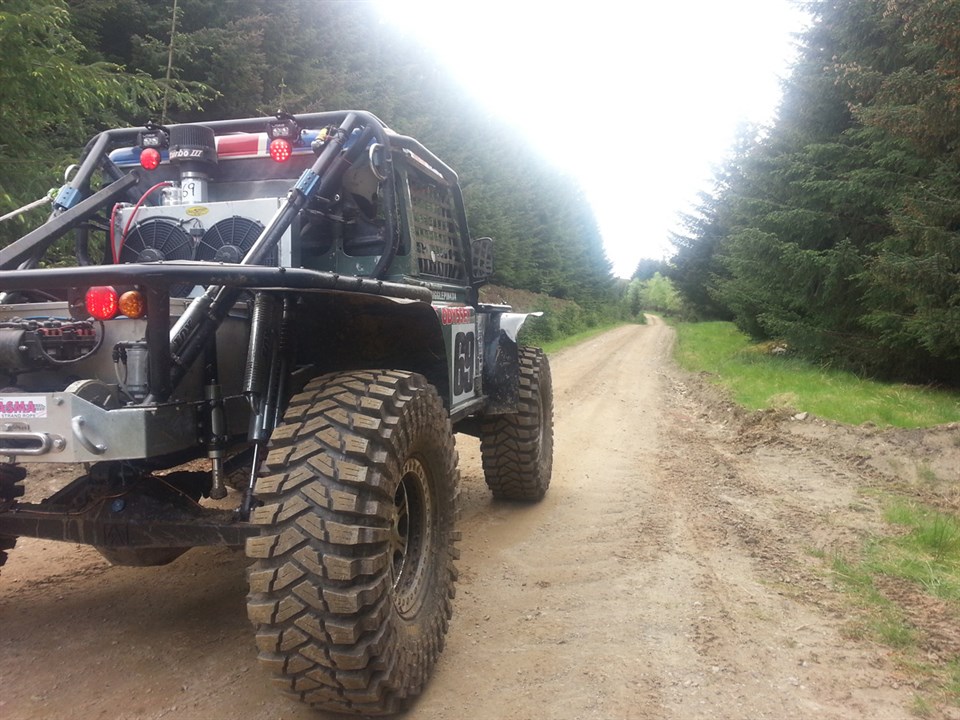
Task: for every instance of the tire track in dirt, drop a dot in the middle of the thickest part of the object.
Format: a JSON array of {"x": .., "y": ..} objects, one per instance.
[
  {"x": 754, "y": 506},
  {"x": 530, "y": 639}
]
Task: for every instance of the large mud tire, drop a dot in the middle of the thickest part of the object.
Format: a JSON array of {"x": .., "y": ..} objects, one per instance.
[
  {"x": 6, "y": 545},
  {"x": 517, "y": 449},
  {"x": 10, "y": 489},
  {"x": 354, "y": 576}
]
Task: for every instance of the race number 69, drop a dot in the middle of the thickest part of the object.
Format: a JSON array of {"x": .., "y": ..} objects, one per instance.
[{"x": 464, "y": 348}]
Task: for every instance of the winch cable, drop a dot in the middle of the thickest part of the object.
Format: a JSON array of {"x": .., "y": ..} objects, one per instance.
[
  {"x": 28, "y": 207},
  {"x": 45, "y": 235}
]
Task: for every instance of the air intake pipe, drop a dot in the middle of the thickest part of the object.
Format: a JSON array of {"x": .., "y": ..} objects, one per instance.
[{"x": 194, "y": 149}]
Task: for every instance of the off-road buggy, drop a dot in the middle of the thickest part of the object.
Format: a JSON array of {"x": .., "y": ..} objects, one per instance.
[{"x": 286, "y": 306}]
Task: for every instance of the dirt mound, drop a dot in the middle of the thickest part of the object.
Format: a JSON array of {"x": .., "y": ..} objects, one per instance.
[{"x": 923, "y": 462}]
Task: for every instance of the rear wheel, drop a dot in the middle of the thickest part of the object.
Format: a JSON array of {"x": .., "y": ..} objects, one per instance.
[
  {"x": 517, "y": 449},
  {"x": 354, "y": 575},
  {"x": 6, "y": 544},
  {"x": 11, "y": 477}
]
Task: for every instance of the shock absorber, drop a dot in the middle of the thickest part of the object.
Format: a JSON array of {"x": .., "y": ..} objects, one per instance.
[
  {"x": 260, "y": 380},
  {"x": 288, "y": 351},
  {"x": 213, "y": 396}
]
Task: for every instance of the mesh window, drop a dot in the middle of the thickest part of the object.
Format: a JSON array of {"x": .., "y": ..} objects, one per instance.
[{"x": 436, "y": 236}]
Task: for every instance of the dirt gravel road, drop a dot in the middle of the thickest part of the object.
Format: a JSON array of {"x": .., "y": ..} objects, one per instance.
[{"x": 669, "y": 573}]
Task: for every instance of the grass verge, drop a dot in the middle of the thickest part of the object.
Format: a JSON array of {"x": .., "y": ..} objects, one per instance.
[
  {"x": 570, "y": 340},
  {"x": 758, "y": 379},
  {"x": 906, "y": 588}
]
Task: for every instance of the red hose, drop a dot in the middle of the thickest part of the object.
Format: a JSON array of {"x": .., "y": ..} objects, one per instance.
[
  {"x": 133, "y": 214},
  {"x": 113, "y": 224}
]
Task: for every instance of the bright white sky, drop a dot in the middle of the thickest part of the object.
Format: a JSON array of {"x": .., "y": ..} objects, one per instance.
[{"x": 639, "y": 100}]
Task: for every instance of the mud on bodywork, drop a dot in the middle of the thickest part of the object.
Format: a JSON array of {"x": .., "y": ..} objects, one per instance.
[{"x": 284, "y": 306}]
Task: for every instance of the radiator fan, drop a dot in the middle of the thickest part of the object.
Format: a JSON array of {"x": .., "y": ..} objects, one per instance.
[
  {"x": 158, "y": 239},
  {"x": 230, "y": 239}
]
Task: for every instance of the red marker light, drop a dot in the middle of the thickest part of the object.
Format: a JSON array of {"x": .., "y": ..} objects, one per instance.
[
  {"x": 102, "y": 302},
  {"x": 149, "y": 158},
  {"x": 280, "y": 149}
]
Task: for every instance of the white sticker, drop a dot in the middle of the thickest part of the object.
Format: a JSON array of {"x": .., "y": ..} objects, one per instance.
[{"x": 22, "y": 408}]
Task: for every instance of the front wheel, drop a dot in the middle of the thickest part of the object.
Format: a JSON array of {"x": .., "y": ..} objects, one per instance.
[
  {"x": 354, "y": 575},
  {"x": 517, "y": 449}
]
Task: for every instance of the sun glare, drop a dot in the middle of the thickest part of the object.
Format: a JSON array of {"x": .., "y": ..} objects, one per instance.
[{"x": 658, "y": 90}]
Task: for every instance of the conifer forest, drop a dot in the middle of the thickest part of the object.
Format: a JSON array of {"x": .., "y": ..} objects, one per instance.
[{"x": 835, "y": 230}]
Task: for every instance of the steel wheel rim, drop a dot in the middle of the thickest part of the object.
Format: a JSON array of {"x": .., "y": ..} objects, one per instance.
[{"x": 411, "y": 537}]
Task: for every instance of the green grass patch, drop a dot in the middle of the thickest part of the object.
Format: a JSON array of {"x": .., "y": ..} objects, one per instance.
[
  {"x": 921, "y": 707},
  {"x": 928, "y": 554},
  {"x": 570, "y": 340},
  {"x": 758, "y": 379},
  {"x": 905, "y": 588},
  {"x": 953, "y": 678}
]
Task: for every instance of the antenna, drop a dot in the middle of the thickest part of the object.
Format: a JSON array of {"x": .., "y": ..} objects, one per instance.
[{"x": 166, "y": 87}]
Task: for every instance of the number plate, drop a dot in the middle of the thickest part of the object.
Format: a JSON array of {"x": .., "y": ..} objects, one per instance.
[
  {"x": 463, "y": 343},
  {"x": 464, "y": 362}
]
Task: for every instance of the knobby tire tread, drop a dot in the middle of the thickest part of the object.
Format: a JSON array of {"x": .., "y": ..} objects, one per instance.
[
  {"x": 517, "y": 448},
  {"x": 7, "y": 543},
  {"x": 321, "y": 587}
]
